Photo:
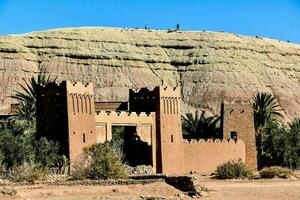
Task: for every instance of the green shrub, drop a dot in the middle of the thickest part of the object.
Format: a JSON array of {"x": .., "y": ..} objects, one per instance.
[
  {"x": 272, "y": 172},
  {"x": 46, "y": 153},
  {"x": 16, "y": 148},
  {"x": 99, "y": 161},
  {"x": 233, "y": 169},
  {"x": 1, "y": 157}
]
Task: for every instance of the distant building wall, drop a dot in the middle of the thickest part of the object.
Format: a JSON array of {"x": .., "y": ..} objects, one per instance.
[{"x": 237, "y": 118}]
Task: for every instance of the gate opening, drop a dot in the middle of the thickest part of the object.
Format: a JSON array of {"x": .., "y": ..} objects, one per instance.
[{"x": 133, "y": 150}]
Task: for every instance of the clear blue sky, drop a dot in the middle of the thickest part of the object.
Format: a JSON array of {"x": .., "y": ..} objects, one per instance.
[{"x": 278, "y": 19}]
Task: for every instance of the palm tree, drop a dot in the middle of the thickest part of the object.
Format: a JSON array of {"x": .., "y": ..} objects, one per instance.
[
  {"x": 26, "y": 98},
  {"x": 266, "y": 109},
  {"x": 199, "y": 126}
]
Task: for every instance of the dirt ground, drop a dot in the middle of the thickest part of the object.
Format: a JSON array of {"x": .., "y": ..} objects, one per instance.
[
  {"x": 233, "y": 190},
  {"x": 249, "y": 190}
]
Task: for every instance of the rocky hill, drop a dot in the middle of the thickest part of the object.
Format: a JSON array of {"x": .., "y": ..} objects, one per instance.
[{"x": 210, "y": 66}]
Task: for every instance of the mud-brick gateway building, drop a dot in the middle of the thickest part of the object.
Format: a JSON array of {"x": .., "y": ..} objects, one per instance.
[{"x": 66, "y": 113}]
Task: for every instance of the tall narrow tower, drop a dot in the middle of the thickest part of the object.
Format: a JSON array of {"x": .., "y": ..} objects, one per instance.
[
  {"x": 238, "y": 122},
  {"x": 165, "y": 101},
  {"x": 66, "y": 113}
]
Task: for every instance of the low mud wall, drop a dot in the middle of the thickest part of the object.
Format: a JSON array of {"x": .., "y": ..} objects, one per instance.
[
  {"x": 205, "y": 155},
  {"x": 87, "y": 182}
]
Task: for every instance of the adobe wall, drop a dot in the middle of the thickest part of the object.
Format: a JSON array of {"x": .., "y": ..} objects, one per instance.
[
  {"x": 81, "y": 117},
  {"x": 238, "y": 117},
  {"x": 204, "y": 156}
]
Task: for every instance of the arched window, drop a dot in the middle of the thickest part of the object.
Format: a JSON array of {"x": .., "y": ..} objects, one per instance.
[
  {"x": 176, "y": 101},
  {"x": 85, "y": 104},
  {"x": 164, "y": 106},
  {"x": 174, "y": 105},
  {"x": 81, "y": 103},
  {"x": 76, "y": 102},
  {"x": 73, "y": 103},
  {"x": 171, "y": 106},
  {"x": 167, "y": 105}
]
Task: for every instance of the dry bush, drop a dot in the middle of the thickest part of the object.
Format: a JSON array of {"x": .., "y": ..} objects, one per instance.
[
  {"x": 276, "y": 171},
  {"x": 28, "y": 172},
  {"x": 79, "y": 168},
  {"x": 99, "y": 161},
  {"x": 233, "y": 170}
]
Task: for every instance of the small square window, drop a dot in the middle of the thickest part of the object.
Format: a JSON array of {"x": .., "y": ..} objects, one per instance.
[
  {"x": 233, "y": 135},
  {"x": 83, "y": 138}
]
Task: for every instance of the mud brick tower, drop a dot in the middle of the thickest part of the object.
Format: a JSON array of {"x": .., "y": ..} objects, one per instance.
[
  {"x": 165, "y": 102},
  {"x": 66, "y": 113},
  {"x": 238, "y": 122}
]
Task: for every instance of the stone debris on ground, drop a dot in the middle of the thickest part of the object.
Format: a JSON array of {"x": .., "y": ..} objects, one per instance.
[
  {"x": 152, "y": 197},
  {"x": 57, "y": 177},
  {"x": 139, "y": 170},
  {"x": 8, "y": 191}
]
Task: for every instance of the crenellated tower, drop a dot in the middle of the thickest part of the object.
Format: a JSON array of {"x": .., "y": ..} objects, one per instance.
[
  {"x": 66, "y": 113},
  {"x": 165, "y": 102}
]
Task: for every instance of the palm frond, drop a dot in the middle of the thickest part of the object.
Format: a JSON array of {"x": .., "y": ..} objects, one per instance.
[
  {"x": 200, "y": 126},
  {"x": 26, "y": 97},
  {"x": 266, "y": 109}
]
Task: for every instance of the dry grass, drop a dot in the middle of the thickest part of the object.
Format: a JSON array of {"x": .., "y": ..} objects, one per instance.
[{"x": 276, "y": 171}]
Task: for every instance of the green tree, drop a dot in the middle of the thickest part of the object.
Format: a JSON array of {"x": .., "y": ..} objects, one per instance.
[
  {"x": 292, "y": 145},
  {"x": 270, "y": 133},
  {"x": 270, "y": 144},
  {"x": 266, "y": 109},
  {"x": 200, "y": 126}
]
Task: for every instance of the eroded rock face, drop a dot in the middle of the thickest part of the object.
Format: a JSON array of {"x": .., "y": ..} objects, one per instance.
[{"x": 210, "y": 66}]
